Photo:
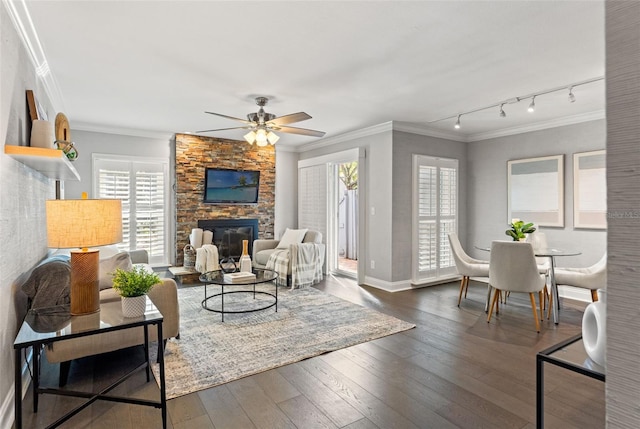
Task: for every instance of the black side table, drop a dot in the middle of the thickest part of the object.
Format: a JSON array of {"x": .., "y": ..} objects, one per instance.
[
  {"x": 568, "y": 354},
  {"x": 44, "y": 326}
]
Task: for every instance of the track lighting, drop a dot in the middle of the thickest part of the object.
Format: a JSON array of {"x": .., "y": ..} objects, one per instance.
[{"x": 515, "y": 100}]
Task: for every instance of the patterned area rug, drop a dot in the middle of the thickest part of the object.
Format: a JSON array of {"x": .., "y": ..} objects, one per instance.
[{"x": 308, "y": 323}]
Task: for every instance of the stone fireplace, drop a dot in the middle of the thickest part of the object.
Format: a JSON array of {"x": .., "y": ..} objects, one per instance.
[
  {"x": 193, "y": 155},
  {"x": 229, "y": 233}
]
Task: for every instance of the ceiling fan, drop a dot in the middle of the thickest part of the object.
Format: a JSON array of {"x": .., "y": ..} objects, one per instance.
[{"x": 263, "y": 125}]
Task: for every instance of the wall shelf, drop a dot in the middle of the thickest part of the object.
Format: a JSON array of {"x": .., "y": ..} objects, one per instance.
[{"x": 53, "y": 163}]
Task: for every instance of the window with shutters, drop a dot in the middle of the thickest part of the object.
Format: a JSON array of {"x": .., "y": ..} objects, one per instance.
[
  {"x": 435, "y": 215},
  {"x": 142, "y": 185}
]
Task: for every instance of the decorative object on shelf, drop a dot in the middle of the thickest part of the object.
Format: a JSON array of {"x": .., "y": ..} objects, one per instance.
[
  {"x": 594, "y": 329},
  {"x": 31, "y": 104},
  {"x": 42, "y": 134},
  {"x": 63, "y": 137},
  {"x": 82, "y": 224},
  {"x": 519, "y": 230},
  {"x": 68, "y": 148},
  {"x": 189, "y": 256},
  {"x": 133, "y": 286},
  {"x": 245, "y": 260}
]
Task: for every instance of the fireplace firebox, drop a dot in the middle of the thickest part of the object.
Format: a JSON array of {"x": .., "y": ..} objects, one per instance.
[{"x": 229, "y": 233}]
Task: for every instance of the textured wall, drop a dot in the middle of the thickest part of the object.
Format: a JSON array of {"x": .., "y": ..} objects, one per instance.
[
  {"x": 22, "y": 199},
  {"x": 623, "y": 194},
  {"x": 193, "y": 155}
]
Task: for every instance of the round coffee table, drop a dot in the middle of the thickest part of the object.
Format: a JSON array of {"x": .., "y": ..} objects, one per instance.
[{"x": 218, "y": 278}]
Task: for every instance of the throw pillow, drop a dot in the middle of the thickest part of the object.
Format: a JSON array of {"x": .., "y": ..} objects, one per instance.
[
  {"x": 108, "y": 267},
  {"x": 291, "y": 236}
]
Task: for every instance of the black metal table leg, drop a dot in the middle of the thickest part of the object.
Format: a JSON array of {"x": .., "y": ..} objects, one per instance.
[
  {"x": 163, "y": 391},
  {"x": 18, "y": 389},
  {"x": 36, "y": 375},
  {"x": 539, "y": 393},
  {"x": 146, "y": 351}
]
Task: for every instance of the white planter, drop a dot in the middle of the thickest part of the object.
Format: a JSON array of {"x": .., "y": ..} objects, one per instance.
[
  {"x": 594, "y": 329},
  {"x": 134, "y": 306}
]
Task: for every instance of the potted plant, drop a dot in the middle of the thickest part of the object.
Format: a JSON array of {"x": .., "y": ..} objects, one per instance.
[
  {"x": 133, "y": 287},
  {"x": 519, "y": 229}
]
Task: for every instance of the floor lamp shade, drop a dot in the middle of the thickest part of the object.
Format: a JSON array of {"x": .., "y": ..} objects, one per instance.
[{"x": 82, "y": 224}]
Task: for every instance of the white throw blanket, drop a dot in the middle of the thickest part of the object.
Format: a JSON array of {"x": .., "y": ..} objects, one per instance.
[
  {"x": 306, "y": 264},
  {"x": 207, "y": 258}
]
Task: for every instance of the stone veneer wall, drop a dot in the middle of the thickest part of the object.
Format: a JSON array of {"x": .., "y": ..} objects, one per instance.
[{"x": 193, "y": 155}]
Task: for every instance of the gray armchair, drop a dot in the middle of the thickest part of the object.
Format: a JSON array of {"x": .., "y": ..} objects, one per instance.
[{"x": 263, "y": 249}]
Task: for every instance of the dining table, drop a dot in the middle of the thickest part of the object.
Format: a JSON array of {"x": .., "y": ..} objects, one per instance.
[{"x": 551, "y": 253}]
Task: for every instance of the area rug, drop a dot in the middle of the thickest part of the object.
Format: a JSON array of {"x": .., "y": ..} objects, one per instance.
[{"x": 308, "y": 323}]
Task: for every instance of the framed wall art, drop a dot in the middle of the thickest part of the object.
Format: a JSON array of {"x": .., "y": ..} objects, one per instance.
[
  {"x": 535, "y": 188},
  {"x": 590, "y": 190}
]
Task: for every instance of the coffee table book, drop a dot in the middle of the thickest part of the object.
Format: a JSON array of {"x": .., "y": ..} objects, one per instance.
[{"x": 238, "y": 277}]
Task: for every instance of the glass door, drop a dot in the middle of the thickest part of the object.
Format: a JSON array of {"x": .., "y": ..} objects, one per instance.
[{"x": 343, "y": 234}]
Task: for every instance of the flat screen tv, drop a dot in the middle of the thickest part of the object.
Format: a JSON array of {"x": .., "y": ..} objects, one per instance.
[{"x": 231, "y": 186}]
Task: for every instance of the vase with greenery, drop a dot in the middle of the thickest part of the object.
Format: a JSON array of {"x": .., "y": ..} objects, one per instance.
[
  {"x": 519, "y": 229},
  {"x": 133, "y": 286}
]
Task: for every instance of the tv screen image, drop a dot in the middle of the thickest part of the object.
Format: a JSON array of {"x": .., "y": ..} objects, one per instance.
[{"x": 229, "y": 186}]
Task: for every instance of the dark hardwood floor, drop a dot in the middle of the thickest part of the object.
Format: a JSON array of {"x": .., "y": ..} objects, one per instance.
[{"x": 452, "y": 370}]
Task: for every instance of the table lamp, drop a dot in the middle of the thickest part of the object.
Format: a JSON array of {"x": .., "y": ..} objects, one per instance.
[{"x": 82, "y": 224}]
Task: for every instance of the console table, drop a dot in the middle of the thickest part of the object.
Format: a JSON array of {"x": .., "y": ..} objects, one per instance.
[
  {"x": 45, "y": 326},
  {"x": 569, "y": 354}
]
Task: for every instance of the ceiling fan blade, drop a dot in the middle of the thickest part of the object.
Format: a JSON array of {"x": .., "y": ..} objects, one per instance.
[
  {"x": 230, "y": 117},
  {"x": 301, "y": 131},
  {"x": 290, "y": 119},
  {"x": 223, "y": 129}
]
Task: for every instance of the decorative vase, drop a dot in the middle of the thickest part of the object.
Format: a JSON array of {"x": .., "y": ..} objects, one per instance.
[
  {"x": 594, "y": 328},
  {"x": 245, "y": 260},
  {"x": 134, "y": 306}
]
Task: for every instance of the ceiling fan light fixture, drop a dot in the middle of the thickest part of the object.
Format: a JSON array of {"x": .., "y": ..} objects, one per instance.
[
  {"x": 503, "y": 114},
  {"x": 261, "y": 137},
  {"x": 250, "y": 137},
  {"x": 457, "y": 125},
  {"x": 272, "y": 137}
]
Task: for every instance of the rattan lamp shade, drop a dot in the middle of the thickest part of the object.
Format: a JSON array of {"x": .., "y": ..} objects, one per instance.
[{"x": 82, "y": 224}]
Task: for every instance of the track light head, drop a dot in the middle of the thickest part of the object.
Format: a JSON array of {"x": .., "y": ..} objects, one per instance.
[
  {"x": 532, "y": 106},
  {"x": 572, "y": 98},
  {"x": 457, "y": 125},
  {"x": 503, "y": 114}
]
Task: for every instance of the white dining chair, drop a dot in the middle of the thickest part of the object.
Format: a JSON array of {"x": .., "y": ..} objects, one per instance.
[
  {"x": 467, "y": 266},
  {"x": 592, "y": 278},
  {"x": 513, "y": 268}
]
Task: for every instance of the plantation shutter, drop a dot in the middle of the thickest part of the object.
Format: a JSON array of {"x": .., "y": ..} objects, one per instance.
[
  {"x": 435, "y": 216},
  {"x": 141, "y": 185},
  {"x": 312, "y": 198}
]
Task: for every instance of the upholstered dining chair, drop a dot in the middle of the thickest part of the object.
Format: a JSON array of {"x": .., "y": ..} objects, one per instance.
[
  {"x": 467, "y": 266},
  {"x": 592, "y": 278},
  {"x": 513, "y": 268}
]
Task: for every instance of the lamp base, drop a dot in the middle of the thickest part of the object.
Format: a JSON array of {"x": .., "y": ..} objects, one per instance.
[{"x": 85, "y": 293}]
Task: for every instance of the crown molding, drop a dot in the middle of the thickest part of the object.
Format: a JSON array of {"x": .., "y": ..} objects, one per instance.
[
  {"x": 554, "y": 123},
  {"x": 348, "y": 136},
  {"x": 408, "y": 127},
  {"x": 19, "y": 14},
  {"x": 134, "y": 132}
]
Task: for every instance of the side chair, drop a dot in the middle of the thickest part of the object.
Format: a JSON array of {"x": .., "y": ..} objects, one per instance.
[
  {"x": 467, "y": 266},
  {"x": 592, "y": 278},
  {"x": 513, "y": 268}
]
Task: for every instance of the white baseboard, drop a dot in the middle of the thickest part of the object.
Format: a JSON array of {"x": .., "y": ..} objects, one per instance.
[
  {"x": 403, "y": 284},
  {"x": 7, "y": 408}
]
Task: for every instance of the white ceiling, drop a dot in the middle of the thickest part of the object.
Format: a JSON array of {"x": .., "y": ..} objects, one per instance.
[{"x": 156, "y": 66}]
